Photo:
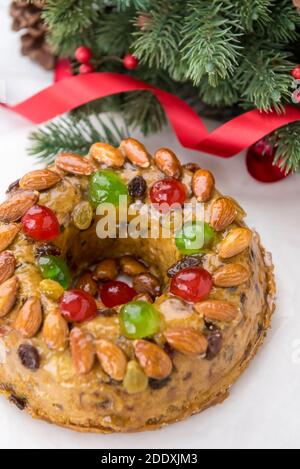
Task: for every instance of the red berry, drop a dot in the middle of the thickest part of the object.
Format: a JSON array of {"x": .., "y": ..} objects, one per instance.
[
  {"x": 130, "y": 62},
  {"x": 78, "y": 306},
  {"x": 116, "y": 293},
  {"x": 84, "y": 69},
  {"x": 296, "y": 73},
  {"x": 41, "y": 224},
  {"x": 192, "y": 285},
  {"x": 83, "y": 54},
  {"x": 168, "y": 191}
]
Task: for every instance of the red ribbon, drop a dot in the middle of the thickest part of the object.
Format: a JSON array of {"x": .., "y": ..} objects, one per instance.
[{"x": 226, "y": 141}]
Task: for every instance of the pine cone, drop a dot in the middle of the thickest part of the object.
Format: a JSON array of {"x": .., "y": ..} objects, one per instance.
[
  {"x": 297, "y": 4},
  {"x": 28, "y": 17}
]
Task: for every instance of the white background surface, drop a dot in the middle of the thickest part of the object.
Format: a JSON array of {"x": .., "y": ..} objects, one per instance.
[{"x": 264, "y": 408}]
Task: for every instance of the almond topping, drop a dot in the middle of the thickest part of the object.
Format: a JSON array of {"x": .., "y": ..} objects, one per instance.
[
  {"x": 55, "y": 331},
  {"x": 237, "y": 241},
  {"x": 17, "y": 205},
  {"x": 135, "y": 152},
  {"x": 153, "y": 360},
  {"x": 82, "y": 351},
  {"x": 203, "y": 185},
  {"x": 8, "y": 295},
  {"x": 216, "y": 310},
  {"x": 74, "y": 164},
  {"x": 108, "y": 155},
  {"x": 168, "y": 163},
  {"x": 8, "y": 234},
  {"x": 7, "y": 266},
  {"x": 40, "y": 180},
  {"x": 112, "y": 359},
  {"x": 223, "y": 214},
  {"x": 29, "y": 319},
  {"x": 231, "y": 275},
  {"x": 187, "y": 341},
  {"x": 131, "y": 267}
]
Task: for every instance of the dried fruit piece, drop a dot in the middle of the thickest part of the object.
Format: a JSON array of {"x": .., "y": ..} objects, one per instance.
[
  {"x": 45, "y": 249},
  {"x": 107, "y": 187},
  {"x": 231, "y": 275},
  {"x": 82, "y": 351},
  {"x": 139, "y": 319},
  {"x": 39, "y": 180},
  {"x": 168, "y": 163},
  {"x": 144, "y": 297},
  {"x": 217, "y": 310},
  {"x": 192, "y": 167},
  {"x": 14, "y": 186},
  {"x": 186, "y": 340},
  {"x": 203, "y": 185},
  {"x": 168, "y": 192},
  {"x": 52, "y": 289},
  {"x": 8, "y": 295},
  {"x": 87, "y": 284},
  {"x": 106, "y": 270},
  {"x": 19, "y": 402},
  {"x": 147, "y": 283},
  {"x": 108, "y": 155},
  {"x": 135, "y": 152},
  {"x": 74, "y": 164},
  {"x": 78, "y": 306},
  {"x": 29, "y": 357},
  {"x": 55, "y": 331},
  {"x": 137, "y": 187},
  {"x": 237, "y": 241},
  {"x": 7, "y": 235},
  {"x": 41, "y": 224},
  {"x": 135, "y": 380},
  {"x": 153, "y": 360},
  {"x": 223, "y": 213},
  {"x": 192, "y": 284},
  {"x": 215, "y": 342},
  {"x": 17, "y": 205},
  {"x": 194, "y": 237},
  {"x": 55, "y": 268},
  {"x": 130, "y": 266},
  {"x": 29, "y": 318},
  {"x": 83, "y": 215},
  {"x": 116, "y": 293},
  {"x": 112, "y": 359},
  {"x": 187, "y": 261},
  {"x": 7, "y": 266}
]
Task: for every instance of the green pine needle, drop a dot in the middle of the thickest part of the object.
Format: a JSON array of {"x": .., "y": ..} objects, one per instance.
[{"x": 69, "y": 135}]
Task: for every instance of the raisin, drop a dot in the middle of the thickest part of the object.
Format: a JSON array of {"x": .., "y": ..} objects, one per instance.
[
  {"x": 45, "y": 249},
  {"x": 29, "y": 357},
  {"x": 188, "y": 261},
  {"x": 137, "y": 187},
  {"x": 14, "y": 186},
  {"x": 192, "y": 167},
  {"x": 157, "y": 384},
  {"x": 18, "y": 401},
  {"x": 215, "y": 341}
]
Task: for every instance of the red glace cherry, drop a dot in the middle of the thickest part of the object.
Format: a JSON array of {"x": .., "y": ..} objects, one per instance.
[
  {"x": 41, "y": 224},
  {"x": 116, "y": 293},
  {"x": 78, "y": 306},
  {"x": 168, "y": 191},
  {"x": 192, "y": 284}
]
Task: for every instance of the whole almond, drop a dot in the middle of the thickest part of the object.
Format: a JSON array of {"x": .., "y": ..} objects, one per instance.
[
  {"x": 231, "y": 275},
  {"x": 131, "y": 267},
  {"x": 153, "y": 360},
  {"x": 17, "y": 205},
  {"x": 82, "y": 351},
  {"x": 147, "y": 283},
  {"x": 29, "y": 318},
  {"x": 187, "y": 341},
  {"x": 108, "y": 155},
  {"x": 55, "y": 331},
  {"x": 223, "y": 213},
  {"x": 203, "y": 185},
  {"x": 135, "y": 152},
  {"x": 8, "y": 234},
  {"x": 106, "y": 270},
  {"x": 237, "y": 241},
  {"x": 7, "y": 266},
  {"x": 168, "y": 163},
  {"x": 216, "y": 310},
  {"x": 74, "y": 164},
  {"x": 112, "y": 359},
  {"x": 8, "y": 295},
  {"x": 40, "y": 180}
]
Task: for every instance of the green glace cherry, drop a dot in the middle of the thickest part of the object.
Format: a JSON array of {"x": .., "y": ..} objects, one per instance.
[
  {"x": 139, "y": 319},
  {"x": 55, "y": 268},
  {"x": 106, "y": 187},
  {"x": 194, "y": 237}
]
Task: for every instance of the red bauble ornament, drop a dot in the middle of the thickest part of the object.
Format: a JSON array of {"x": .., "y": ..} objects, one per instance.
[
  {"x": 40, "y": 223},
  {"x": 130, "y": 62},
  {"x": 296, "y": 73},
  {"x": 260, "y": 163},
  {"x": 116, "y": 294},
  {"x": 83, "y": 54},
  {"x": 192, "y": 284},
  {"x": 168, "y": 191},
  {"x": 84, "y": 69},
  {"x": 78, "y": 306}
]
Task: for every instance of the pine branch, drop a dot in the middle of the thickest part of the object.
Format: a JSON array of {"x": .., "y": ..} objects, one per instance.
[
  {"x": 141, "y": 5},
  {"x": 113, "y": 33},
  {"x": 66, "y": 134},
  {"x": 254, "y": 15},
  {"x": 285, "y": 20},
  {"x": 286, "y": 141}
]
